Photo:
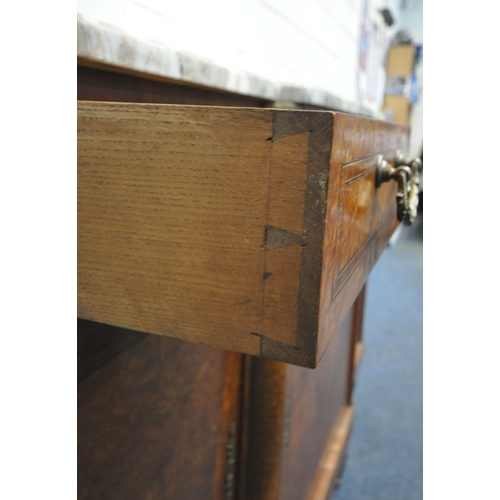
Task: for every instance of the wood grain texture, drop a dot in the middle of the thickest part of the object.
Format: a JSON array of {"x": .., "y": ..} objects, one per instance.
[
  {"x": 159, "y": 421},
  {"x": 319, "y": 127},
  {"x": 292, "y": 411},
  {"x": 252, "y": 230},
  {"x": 175, "y": 205},
  {"x": 360, "y": 219},
  {"x": 170, "y": 233}
]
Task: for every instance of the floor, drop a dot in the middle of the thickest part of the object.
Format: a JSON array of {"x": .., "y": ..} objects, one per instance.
[{"x": 385, "y": 453}]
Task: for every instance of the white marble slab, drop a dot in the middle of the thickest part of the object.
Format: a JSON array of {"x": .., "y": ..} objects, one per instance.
[{"x": 103, "y": 43}]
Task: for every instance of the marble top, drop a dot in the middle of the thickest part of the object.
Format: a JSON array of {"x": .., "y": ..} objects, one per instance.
[{"x": 103, "y": 43}]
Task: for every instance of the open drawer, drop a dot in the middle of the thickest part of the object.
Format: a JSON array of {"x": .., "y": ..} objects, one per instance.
[{"x": 252, "y": 230}]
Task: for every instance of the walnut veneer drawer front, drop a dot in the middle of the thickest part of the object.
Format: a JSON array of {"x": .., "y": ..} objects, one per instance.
[{"x": 252, "y": 230}]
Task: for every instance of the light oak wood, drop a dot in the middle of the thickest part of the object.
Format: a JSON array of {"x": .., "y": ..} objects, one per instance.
[
  {"x": 252, "y": 230},
  {"x": 171, "y": 215}
]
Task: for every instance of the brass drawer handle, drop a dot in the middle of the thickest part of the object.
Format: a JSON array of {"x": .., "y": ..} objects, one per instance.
[{"x": 407, "y": 175}]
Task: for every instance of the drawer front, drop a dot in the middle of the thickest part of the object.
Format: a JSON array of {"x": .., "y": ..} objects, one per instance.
[
  {"x": 252, "y": 230},
  {"x": 360, "y": 216}
]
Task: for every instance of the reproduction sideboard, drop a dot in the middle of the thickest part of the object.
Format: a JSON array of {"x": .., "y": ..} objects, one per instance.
[{"x": 223, "y": 249}]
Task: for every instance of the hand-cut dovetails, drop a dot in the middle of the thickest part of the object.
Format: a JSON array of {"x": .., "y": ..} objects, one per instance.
[
  {"x": 277, "y": 238},
  {"x": 273, "y": 349}
]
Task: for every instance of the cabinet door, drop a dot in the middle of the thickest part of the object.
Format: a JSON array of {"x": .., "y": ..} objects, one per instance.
[
  {"x": 298, "y": 424},
  {"x": 252, "y": 230},
  {"x": 157, "y": 420}
]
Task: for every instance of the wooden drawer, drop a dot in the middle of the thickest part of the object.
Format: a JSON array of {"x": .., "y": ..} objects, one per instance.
[{"x": 252, "y": 230}]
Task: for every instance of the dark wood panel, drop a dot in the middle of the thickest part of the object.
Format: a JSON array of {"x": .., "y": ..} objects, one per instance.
[
  {"x": 354, "y": 203},
  {"x": 292, "y": 411},
  {"x": 98, "y": 343},
  {"x": 315, "y": 399},
  {"x": 103, "y": 85},
  {"x": 356, "y": 341},
  {"x": 264, "y": 428},
  {"x": 159, "y": 421}
]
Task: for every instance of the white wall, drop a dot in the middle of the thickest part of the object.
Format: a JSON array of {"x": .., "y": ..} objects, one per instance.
[
  {"x": 376, "y": 39},
  {"x": 411, "y": 18},
  {"x": 312, "y": 43}
]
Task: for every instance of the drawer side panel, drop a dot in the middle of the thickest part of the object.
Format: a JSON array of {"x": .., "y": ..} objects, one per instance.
[{"x": 172, "y": 209}]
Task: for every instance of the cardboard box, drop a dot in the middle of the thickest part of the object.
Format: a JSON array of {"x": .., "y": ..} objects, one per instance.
[
  {"x": 400, "y": 106},
  {"x": 399, "y": 70},
  {"x": 401, "y": 60}
]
